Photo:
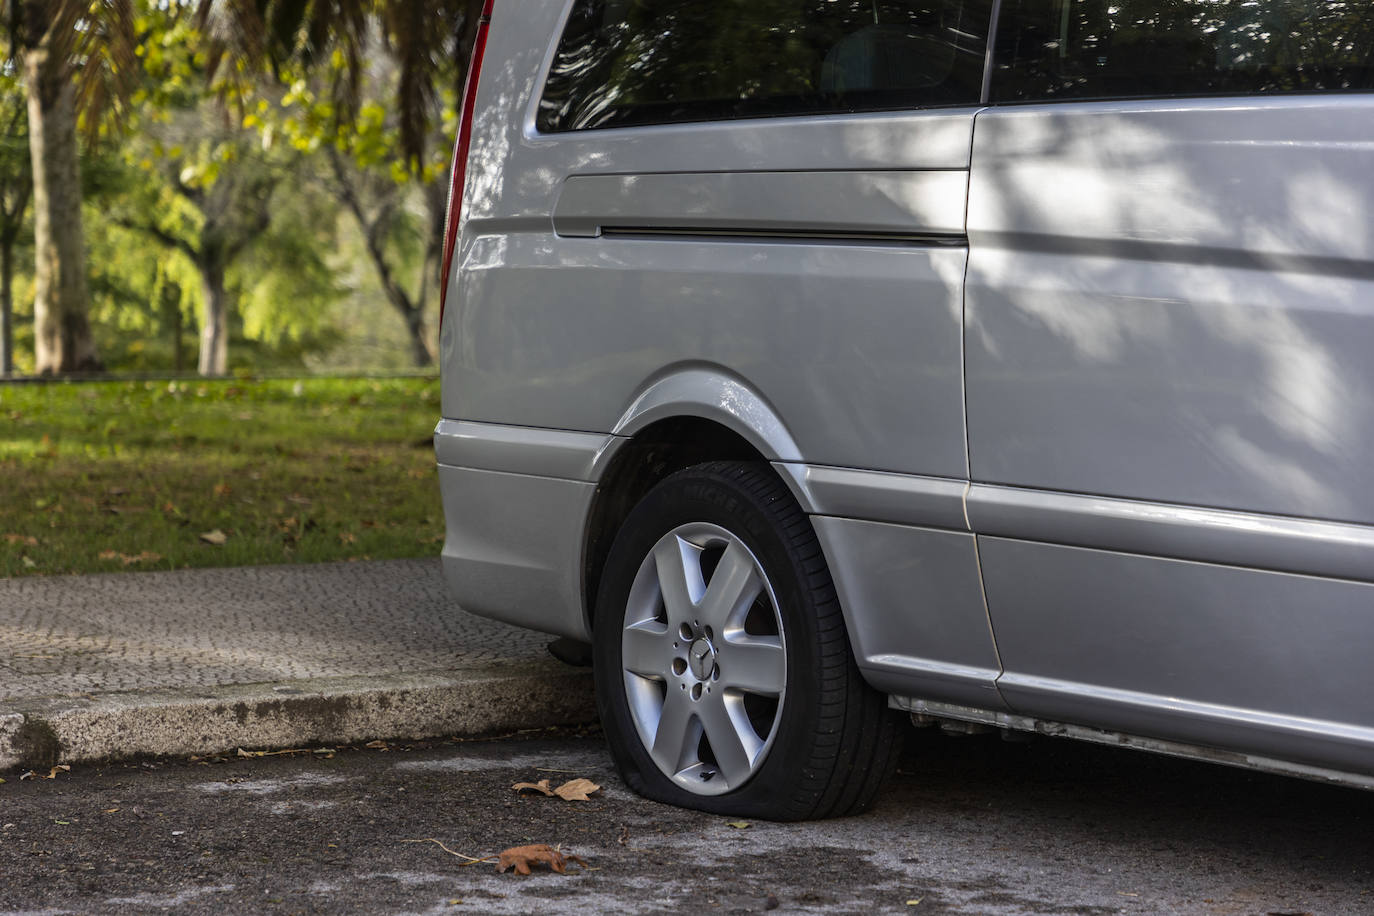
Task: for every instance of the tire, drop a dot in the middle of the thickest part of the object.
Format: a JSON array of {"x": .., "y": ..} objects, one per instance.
[{"x": 745, "y": 701}]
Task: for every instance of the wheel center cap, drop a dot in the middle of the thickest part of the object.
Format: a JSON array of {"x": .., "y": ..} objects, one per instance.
[{"x": 701, "y": 658}]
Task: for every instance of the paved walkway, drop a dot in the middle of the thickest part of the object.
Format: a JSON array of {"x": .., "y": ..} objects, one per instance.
[{"x": 332, "y": 642}]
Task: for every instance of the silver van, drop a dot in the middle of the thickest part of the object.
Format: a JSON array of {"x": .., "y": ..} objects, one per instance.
[{"x": 1010, "y": 363}]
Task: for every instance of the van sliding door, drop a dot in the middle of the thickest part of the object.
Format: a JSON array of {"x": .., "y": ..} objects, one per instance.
[{"x": 1170, "y": 390}]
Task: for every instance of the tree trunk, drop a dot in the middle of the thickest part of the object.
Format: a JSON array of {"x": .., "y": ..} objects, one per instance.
[
  {"x": 178, "y": 358},
  {"x": 6, "y": 306},
  {"x": 62, "y": 331},
  {"x": 214, "y": 328},
  {"x": 419, "y": 338},
  {"x": 412, "y": 311}
]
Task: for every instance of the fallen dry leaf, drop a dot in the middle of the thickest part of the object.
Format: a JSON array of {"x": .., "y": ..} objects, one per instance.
[
  {"x": 222, "y": 489},
  {"x": 572, "y": 790},
  {"x": 26, "y": 540},
  {"x": 577, "y": 790},
  {"x": 739, "y": 825},
  {"x": 377, "y": 745},
  {"x": 52, "y": 774},
  {"x": 217, "y": 538},
  {"x": 540, "y": 786},
  {"x": 521, "y": 858}
]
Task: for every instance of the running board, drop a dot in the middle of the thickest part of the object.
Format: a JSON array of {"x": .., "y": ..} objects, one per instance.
[{"x": 924, "y": 711}]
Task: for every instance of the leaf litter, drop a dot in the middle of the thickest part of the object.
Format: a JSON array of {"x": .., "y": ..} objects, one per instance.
[
  {"x": 521, "y": 858},
  {"x": 573, "y": 790}
]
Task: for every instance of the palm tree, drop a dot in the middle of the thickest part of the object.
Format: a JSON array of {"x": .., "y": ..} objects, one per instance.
[
  {"x": 52, "y": 42},
  {"x": 78, "y": 59},
  {"x": 426, "y": 37}
]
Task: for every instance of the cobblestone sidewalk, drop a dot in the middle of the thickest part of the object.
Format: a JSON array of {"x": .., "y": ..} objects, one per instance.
[{"x": 284, "y": 654}]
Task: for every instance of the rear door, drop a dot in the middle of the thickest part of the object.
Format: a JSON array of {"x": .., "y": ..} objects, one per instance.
[{"x": 1170, "y": 390}]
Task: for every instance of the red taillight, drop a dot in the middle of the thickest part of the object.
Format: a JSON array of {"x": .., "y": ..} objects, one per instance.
[{"x": 460, "y": 152}]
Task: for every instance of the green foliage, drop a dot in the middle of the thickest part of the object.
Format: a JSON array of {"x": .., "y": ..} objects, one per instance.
[
  {"x": 189, "y": 155},
  {"x": 101, "y": 477},
  {"x": 289, "y": 303}
]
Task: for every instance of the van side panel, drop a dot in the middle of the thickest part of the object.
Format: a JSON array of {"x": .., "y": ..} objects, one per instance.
[{"x": 856, "y": 346}]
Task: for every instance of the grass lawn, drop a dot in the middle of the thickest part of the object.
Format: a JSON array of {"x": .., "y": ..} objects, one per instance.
[{"x": 105, "y": 476}]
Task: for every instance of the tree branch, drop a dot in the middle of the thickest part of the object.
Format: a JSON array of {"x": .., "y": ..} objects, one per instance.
[{"x": 166, "y": 238}]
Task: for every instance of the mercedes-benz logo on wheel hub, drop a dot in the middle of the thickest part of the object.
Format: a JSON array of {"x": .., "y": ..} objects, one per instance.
[{"x": 701, "y": 658}]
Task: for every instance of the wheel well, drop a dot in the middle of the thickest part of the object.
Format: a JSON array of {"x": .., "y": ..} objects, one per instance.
[{"x": 658, "y": 451}]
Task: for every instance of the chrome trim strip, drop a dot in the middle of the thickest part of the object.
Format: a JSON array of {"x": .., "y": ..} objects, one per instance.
[
  {"x": 885, "y": 203},
  {"x": 537, "y": 452},
  {"x": 1269, "y": 542},
  {"x": 747, "y": 234}
]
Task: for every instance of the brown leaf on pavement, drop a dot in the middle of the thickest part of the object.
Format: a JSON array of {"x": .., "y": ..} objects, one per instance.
[
  {"x": 540, "y": 786},
  {"x": 572, "y": 790},
  {"x": 521, "y": 858},
  {"x": 577, "y": 790}
]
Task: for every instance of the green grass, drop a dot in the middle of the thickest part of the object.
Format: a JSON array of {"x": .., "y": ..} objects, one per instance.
[{"x": 96, "y": 477}]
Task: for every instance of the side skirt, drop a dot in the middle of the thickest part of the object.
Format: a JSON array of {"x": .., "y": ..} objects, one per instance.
[{"x": 926, "y": 712}]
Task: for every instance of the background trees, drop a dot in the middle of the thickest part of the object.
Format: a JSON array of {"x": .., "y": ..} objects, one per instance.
[
  {"x": 16, "y": 189},
  {"x": 227, "y": 167}
]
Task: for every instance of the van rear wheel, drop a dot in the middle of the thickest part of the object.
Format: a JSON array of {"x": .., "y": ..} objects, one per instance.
[{"x": 724, "y": 675}]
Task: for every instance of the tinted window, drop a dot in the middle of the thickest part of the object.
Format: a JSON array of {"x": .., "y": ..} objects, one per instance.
[
  {"x": 1052, "y": 49},
  {"x": 624, "y": 62}
]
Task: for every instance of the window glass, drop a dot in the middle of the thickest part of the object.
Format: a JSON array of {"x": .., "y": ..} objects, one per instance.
[
  {"x": 627, "y": 62},
  {"x": 1055, "y": 49}
]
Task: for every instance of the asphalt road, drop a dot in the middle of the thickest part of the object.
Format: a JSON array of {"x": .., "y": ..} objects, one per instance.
[{"x": 970, "y": 825}]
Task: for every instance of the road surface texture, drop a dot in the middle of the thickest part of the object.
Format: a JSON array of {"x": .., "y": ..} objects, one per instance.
[{"x": 970, "y": 825}]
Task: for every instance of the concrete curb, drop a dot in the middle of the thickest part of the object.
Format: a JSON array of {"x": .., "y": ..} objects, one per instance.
[{"x": 322, "y": 711}]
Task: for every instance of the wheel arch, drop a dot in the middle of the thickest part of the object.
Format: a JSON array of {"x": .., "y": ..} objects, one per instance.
[{"x": 688, "y": 416}]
